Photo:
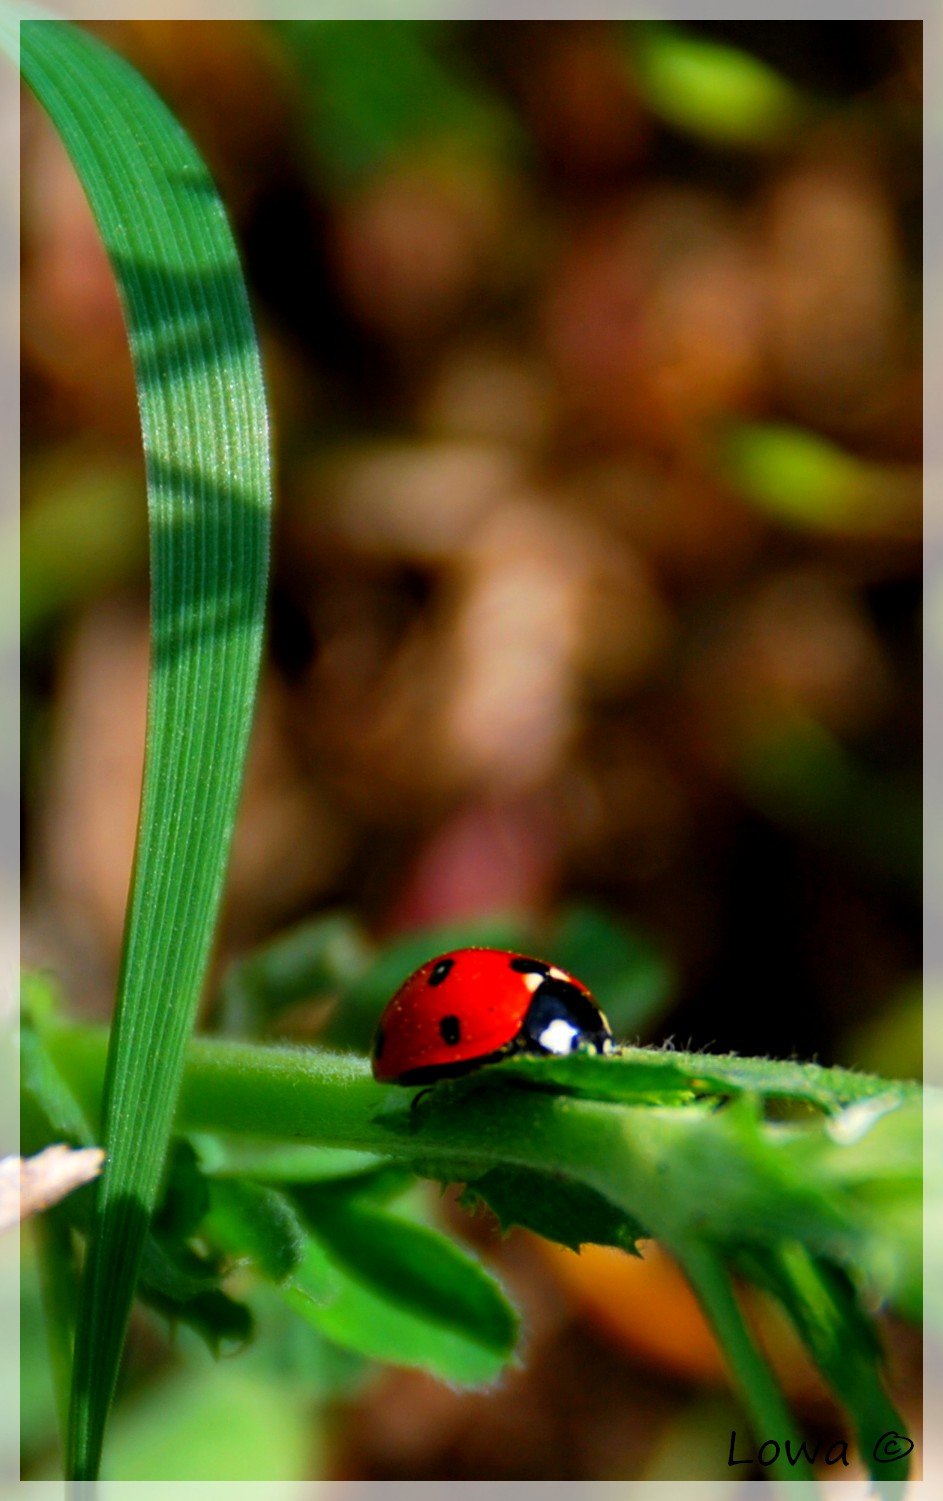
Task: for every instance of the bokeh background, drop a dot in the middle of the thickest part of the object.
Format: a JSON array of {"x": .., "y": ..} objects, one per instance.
[{"x": 594, "y": 359}]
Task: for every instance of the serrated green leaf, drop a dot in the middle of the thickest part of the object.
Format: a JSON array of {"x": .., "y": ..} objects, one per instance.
[
  {"x": 553, "y": 1207},
  {"x": 206, "y": 446},
  {"x": 664, "y": 1077}
]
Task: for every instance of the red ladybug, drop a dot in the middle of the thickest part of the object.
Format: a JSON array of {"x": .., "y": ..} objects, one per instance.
[{"x": 473, "y": 1006}]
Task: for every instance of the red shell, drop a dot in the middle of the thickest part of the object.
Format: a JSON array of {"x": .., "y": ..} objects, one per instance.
[{"x": 471, "y": 1006}]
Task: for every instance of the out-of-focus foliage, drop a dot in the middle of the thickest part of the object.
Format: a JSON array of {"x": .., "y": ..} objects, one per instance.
[
  {"x": 594, "y": 355},
  {"x": 716, "y": 92}
]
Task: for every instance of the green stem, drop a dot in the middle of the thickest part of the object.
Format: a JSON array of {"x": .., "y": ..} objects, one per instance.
[
  {"x": 766, "y": 1406},
  {"x": 654, "y": 1164}
]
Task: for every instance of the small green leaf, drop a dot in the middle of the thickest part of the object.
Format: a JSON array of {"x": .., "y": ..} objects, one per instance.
[
  {"x": 318, "y": 958},
  {"x": 804, "y": 480},
  {"x": 49, "y": 1110},
  {"x": 258, "y": 1223},
  {"x": 553, "y": 1207},
  {"x": 401, "y": 1293},
  {"x": 711, "y": 90},
  {"x": 664, "y": 1077},
  {"x": 185, "y": 1289},
  {"x": 376, "y": 88}
]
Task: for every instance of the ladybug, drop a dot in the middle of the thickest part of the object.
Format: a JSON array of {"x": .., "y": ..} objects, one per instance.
[{"x": 473, "y": 1006}]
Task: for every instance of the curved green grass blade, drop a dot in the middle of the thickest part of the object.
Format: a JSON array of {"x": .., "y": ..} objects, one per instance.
[{"x": 205, "y": 432}]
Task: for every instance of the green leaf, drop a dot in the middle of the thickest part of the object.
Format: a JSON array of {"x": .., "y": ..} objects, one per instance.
[
  {"x": 258, "y": 1223},
  {"x": 377, "y": 88},
  {"x": 663, "y": 1077},
  {"x": 317, "y": 958},
  {"x": 630, "y": 979},
  {"x": 49, "y": 1111},
  {"x": 704, "y": 1171},
  {"x": 823, "y": 1305},
  {"x": 206, "y": 445},
  {"x": 554, "y": 1207},
  {"x": 711, "y": 90},
  {"x": 807, "y": 482},
  {"x": 185, "y": 1289},
  {"x": 401, "y": 1292},
  {"x": 218, "y": 1422}
]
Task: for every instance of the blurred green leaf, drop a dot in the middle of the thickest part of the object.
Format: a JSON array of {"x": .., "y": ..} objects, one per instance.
[
  {"x": 822, "y": 1304},
  {"x": 82, "y": 532},
  {"x": 184, "y": 1290},
  {"x": 186, "y": 1194},
  {"x": 710, "y": 90},
  {"x": 291, "y": 1163},
  {"x": 401, "y": 1292},
  {"x": 356, "y": 1016},
  {"x": 631, "y": 980},
  {"x": 378, "y": 87},
  {"x": 217, "y": 1422},
  {"x": 258, "y": 1223},
  {"x": 318, "y": 958},
  {"x": 805, "y": 481},
  {"x": 49, "y": 1110},
  {"x": 38, "y": 1395},
  {"x": 805, "y": 779}
]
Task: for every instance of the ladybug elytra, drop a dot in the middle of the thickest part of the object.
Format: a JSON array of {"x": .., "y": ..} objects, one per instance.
[{"x": 473, "y": 1006}]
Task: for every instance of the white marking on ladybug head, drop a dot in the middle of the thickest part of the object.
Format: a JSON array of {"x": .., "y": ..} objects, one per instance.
[
  {"x": 533, "y": 981},
  {"x": 559, "y": 1036},
  {"x": 557, "y": 974}
]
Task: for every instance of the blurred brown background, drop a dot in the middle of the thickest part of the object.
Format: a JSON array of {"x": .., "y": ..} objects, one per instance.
[{"x": 596, "y": 557}]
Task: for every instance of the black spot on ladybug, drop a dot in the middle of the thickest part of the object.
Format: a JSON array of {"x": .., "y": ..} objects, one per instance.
[
  {"x": 441, "y": 971},
  {"x": 378, "y": 1042},
  {"x": 450, "y": 1030},
  {"x": 530, "y": 967}
]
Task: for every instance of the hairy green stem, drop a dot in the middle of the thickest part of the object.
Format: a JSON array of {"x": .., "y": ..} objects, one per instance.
[{"x": 657, "y": 1164}]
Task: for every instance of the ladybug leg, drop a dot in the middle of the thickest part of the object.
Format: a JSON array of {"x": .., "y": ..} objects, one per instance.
[{"x": 418, "y": 1096}]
